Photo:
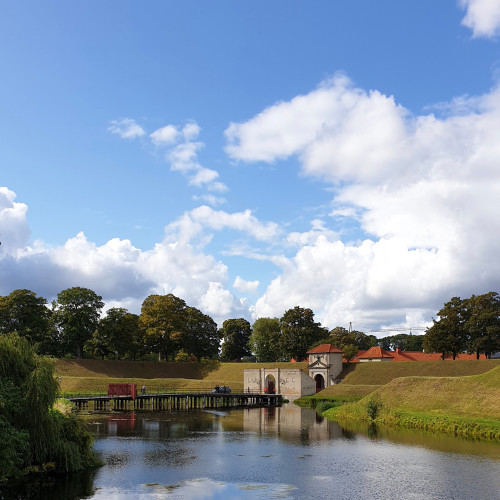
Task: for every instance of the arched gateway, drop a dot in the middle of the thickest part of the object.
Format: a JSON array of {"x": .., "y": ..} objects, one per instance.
[
  {"x": 320, "y": 382},
  {"x": 325, "y": 365}
]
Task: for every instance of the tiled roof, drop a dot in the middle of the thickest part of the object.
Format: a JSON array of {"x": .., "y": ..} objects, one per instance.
[
  {"x": 323, "y": 348},
  {"x": 399, "y": 355},
  {"x": 375, "y": 352}
]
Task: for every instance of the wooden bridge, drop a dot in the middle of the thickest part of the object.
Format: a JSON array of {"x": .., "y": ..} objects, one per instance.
[{"x": 174, "y": 401}]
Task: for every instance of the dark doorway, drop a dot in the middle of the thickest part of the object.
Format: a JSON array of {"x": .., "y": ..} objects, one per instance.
[{"x": 320, "y": 382}]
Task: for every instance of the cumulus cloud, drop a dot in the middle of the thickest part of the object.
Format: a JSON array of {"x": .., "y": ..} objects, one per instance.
[
  {"x": 14, "y": 230},
  {"x": 245, "y": 286},
  {"x": 422, "y": 188},
  {"x": 123, "y": 274},
  {"x": 193, "y": 223},
  {"x": 126, "y": 128},
  {"x": 165, "y": 135},
  {"x": 482, "y": 17}
]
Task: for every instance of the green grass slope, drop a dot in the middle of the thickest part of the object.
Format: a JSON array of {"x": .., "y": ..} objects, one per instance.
[
  {"x": 93, "y": 376},
  {"x": 380, "y": 373},
  {"x": 461, "y": 405}
]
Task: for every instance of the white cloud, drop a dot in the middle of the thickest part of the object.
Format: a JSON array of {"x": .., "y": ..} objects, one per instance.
[
  {"x": 245, "y": 286},
  {"x": 309, "y": 237},
  {"x": 126, "y": 128},
  {"x": 165, "y": 136},
  {"x": 211, "y": 199},
  {"x": 424, "y": 187},
  {"x": 14, "y": 230},
  {"x": 482, "y": 17},
  {"x": 121, "y": 273},
  {"x": 191, "y": 131}
]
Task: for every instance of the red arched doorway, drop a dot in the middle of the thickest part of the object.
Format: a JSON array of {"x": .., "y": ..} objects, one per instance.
[
  {"x": 270, "y": 387},
  {"x": 320, "y": 382}
]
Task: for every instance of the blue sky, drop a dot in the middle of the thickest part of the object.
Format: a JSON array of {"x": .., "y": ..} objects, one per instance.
[{"x": 252, "y": 156}]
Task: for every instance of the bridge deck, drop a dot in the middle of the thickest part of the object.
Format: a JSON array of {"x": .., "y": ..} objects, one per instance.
[{"x": 174, "y": 401}]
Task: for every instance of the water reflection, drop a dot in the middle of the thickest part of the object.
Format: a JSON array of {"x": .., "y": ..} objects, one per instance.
[{"x": 287, "y": 452}]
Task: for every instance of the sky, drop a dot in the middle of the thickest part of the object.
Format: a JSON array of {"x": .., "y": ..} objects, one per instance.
[{"x": 250, "y": 157}]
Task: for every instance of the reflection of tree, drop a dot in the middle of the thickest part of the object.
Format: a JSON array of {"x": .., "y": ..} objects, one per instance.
[{"x": 70, "y": 486}]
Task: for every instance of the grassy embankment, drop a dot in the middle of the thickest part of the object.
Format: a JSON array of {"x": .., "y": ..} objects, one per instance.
[
  {"x": 360, "y": 379},
  {"x": 92, "y": 377},
  {"x": 460, "y": 405}
]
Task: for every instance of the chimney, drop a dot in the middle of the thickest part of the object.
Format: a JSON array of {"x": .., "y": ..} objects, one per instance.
[{"x": 398, "y": 350}]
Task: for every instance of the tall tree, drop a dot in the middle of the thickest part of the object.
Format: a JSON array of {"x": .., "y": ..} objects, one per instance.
[
  {"x": 118, "y": 334},
  {"x": 265, "y": 341},
  {"x": 448, "y": 335},
  {"x": 23, "y": 312},
  {"x": 483, "y": 323},
  {"x": 340, "y": 337},
  {"x": 299, "y": 332},
  {"x": 163, "y": 319},
  {"x": 236, "y": 334},
  {"x": 200, "y": 335},
  {"x": 76, "y": 316}
]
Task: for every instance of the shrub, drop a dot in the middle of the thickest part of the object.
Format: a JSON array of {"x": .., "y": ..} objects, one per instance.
[
  {"x": 322, "y": 406},
  {"x": 373, "y": 408}
]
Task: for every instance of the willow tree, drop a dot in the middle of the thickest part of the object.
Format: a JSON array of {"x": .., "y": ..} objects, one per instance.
[{"x": 32, "y": 433}]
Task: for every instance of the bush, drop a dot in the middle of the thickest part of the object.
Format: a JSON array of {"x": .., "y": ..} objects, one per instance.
[
  {"x": 373, "y": 408},
  {"x": 322, "y": 406}
]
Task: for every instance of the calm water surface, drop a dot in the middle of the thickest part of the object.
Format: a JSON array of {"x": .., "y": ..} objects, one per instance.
[{"x": 286, "y": 452}]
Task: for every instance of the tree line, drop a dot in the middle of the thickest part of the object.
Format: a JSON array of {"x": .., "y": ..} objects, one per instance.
[
  {"x": 169, "y": 329},
  {"x": 466, "y": 325}
]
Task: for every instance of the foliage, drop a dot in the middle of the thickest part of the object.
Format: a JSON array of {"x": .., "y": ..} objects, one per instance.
[
  {"x": 31, "y": 432},
  {"x": 349, "y": 351},
  {"x": 483, "y": 323},
  {"x": 76, "y": 316},
  {"x": 402, "y": 341},
  {"x": 162, "y": 320},
  {"x": 471, "y": 324},
  {"x": 118, "y": 335},
  {"x": 200, "y": 337},
  {"x": 324, "y": 405},
  {"x": 340, "y": 337},
  {"x": 373, "y": 407},
  {"x": 448, "y": 335},
  {"x": 265, "y": 340},
  {"x": 23, "y": 312},
  {"x": 236, "y": 334},
  {"x": 299, "y": 332}
]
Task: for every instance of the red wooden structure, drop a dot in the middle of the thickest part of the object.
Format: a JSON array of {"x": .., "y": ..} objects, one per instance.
[{"x": 122, "y": 390}]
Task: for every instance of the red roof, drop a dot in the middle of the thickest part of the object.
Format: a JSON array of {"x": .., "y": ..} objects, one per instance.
[
  {"x": 375, "y": 352},
  {"x": 323, "y": 348},
  {"x": 399, "y": 355}
]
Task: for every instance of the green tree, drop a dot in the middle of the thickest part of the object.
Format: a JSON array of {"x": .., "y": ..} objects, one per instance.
[
  {"x": 76, "y": 316},
  {"x": 236, "y": 334},
  {"x": 299, "y": 332},
  {"x": 32, "y": 433},
  {"x": 23, "y": 312},
  {"x": 200, "y": 335},
  {"x": 265, "y": 341},
  {"x": 340, "y": 337},
  {"x": 448, "y": 335},
  {"x": 117, "y": 334},
  {"x": 483, "y": 323},
  {"x": 349, "y": 351},
  {"x": 163, "y": 319}
]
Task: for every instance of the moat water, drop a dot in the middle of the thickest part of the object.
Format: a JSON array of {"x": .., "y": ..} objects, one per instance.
[{"x": 286, "y": 453}]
